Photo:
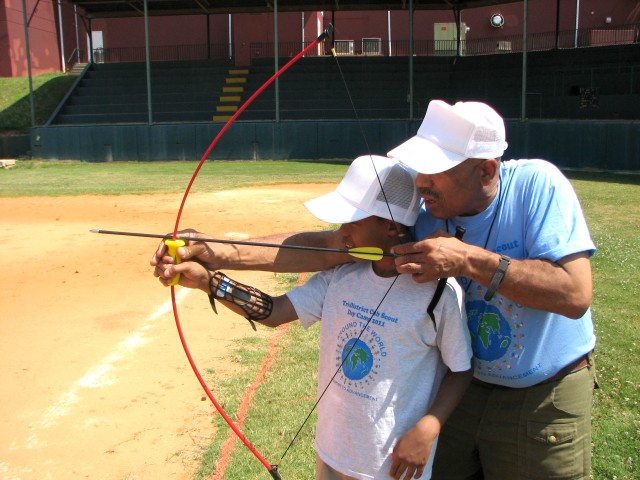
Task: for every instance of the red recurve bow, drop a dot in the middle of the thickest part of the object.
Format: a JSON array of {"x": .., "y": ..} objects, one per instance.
[{"x": 175, "y": 243}]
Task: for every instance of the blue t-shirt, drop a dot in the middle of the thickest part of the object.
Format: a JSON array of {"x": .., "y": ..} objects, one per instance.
[{"x": 535, "y": 215}]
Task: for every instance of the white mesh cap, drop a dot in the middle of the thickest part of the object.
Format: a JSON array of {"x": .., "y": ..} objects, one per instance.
[
  {"x": 359, "y": 194},
  {"x": 451, "y": 134}
]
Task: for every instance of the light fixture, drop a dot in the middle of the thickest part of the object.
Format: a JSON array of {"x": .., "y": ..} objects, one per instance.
[{"x": 497, "y": 20}]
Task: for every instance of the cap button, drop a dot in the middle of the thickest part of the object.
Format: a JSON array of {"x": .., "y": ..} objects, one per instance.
[{"x": 552, "y": 439}]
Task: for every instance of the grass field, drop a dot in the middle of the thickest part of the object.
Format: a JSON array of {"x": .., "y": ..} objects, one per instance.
[
  {"x": 611, "y": 206},
  {"x": 33, "y": 178}
]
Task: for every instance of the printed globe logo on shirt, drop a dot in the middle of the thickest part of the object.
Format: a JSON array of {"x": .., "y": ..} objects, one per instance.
[
  {"x": 359, "y": 359},
  {"x": 496, "y": 341},
  {"x": 490, "y": 331}
]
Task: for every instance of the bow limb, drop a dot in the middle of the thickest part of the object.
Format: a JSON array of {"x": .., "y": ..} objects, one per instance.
[
  {"x": 273, "y": 469},
  {"x": 242, "y": 108}
]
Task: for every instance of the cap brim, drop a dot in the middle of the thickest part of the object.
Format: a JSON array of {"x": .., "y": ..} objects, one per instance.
[
  {"x": 333, "y": 208},
  {"x": 424, "y": 156}
]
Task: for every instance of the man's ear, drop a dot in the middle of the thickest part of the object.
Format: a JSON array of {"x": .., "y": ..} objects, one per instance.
[{"x": 488, "y": 170}]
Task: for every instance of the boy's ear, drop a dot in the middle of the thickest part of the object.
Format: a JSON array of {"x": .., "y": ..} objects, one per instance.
[{"x": 394, "y": 229}]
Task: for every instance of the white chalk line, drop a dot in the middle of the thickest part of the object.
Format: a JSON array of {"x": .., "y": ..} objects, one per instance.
[{"x": 98, "y": 376}]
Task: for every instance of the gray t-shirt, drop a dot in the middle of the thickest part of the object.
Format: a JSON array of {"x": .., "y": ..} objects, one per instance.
[{"x": 392, "y": 372}]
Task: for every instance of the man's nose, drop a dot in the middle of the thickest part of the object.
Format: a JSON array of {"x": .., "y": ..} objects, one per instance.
[{"x": 423, "y": 180}]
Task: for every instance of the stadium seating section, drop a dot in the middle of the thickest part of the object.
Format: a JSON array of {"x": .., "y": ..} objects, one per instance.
[{"x": 597, "y": 83}]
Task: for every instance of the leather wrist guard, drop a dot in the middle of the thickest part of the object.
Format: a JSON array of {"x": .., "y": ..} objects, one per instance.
[{"x": 255, "y": 304}]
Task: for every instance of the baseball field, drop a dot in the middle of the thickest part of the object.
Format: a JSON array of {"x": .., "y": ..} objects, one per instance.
[{"x": 95, "y": 382}]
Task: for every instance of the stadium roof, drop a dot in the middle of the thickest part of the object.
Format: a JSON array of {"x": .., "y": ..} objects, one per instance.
[{"x": 135, "y": 8}]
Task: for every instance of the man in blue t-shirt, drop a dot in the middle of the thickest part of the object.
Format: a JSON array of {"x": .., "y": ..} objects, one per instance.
[
  {"x": 524, "y": 263},
  {"x": 525, "y": 268}
]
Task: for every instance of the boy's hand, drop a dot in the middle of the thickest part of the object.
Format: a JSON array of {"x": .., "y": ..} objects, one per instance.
[
  {"x": 411, "y": 454},
  {"x": 193, "y": 250},
  {"x": 192, "y": 275}
]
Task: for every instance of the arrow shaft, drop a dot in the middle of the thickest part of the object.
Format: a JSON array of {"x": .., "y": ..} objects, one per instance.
[{"x": 238, "y": 242}]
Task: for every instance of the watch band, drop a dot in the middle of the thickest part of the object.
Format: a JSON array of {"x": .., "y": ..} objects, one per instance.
[{"x": 497, "y": 277}]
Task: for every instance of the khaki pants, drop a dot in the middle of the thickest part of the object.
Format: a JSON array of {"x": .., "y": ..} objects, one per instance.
[{"x": 500, "y": 433}]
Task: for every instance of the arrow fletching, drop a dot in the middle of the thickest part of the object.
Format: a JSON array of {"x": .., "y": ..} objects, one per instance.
[{"x": 367, "y": 253}]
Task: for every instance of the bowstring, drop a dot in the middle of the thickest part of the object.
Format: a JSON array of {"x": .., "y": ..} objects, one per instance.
[
  {"x": 346, "y": 356},
  {"x": 361, "y": 128},
  {"x": 344, "y": 359}
]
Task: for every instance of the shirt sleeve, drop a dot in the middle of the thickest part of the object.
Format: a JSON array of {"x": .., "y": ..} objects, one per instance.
[
  {"x": 453, "y": 337},
  {"x": 308, "y": 299},
  {"x": 556, "y": 224}
]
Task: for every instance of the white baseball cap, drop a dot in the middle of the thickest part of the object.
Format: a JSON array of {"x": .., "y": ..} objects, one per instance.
[
  {"x": 451, "y": 134},
  {"x": 359, "y": 194}
]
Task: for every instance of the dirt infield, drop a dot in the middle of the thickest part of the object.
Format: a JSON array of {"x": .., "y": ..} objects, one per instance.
[{"x": 95, "y": 382}]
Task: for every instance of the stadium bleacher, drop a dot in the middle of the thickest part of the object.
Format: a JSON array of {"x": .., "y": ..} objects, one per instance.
[
  {"x": 117, "y": 93},
  {"x": 598, "y": 83}
]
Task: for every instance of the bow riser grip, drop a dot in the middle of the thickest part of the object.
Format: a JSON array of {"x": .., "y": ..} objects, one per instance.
[{"x": 172, "y": 250}]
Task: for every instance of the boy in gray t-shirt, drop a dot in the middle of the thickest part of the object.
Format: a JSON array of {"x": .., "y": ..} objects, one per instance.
[{"x": 389, "y": 375}]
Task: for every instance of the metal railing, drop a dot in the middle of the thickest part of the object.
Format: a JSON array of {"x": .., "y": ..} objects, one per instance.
[
  {"x": 592, "y": 37},
  {"x": 77, "y": 56},
  {"x": 162, "y": 53}
]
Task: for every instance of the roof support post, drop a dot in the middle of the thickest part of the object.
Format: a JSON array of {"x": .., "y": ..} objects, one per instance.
[
  {"x": 208, "y": 17},
  {"x": 456, "y": 14},
  {"x": 63, "y": 63},
  {"x": 89, "y": 28},
  {"x": 148, "y": 61},
  {"x": 575, "y": 41},
  {"x": 410, "y": 59},
  {"x": 28, "y": 55},
  {"x": 557, "y": 24},
  {"x": 231, "y": 49},
  {"x": 523, "y": 96},
  {"x": 75, "y": 21},
  {"x": 276, "y": 54}
]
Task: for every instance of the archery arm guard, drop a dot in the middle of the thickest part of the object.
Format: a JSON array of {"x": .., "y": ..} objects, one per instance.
[{"x": 255, "y": 304}]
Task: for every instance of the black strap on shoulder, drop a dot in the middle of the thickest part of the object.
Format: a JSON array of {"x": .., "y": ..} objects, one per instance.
[{"x": 460, "y": 231}]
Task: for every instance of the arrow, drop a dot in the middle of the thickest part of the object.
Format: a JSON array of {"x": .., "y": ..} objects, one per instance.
[{"x": 366, "y": 253}]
